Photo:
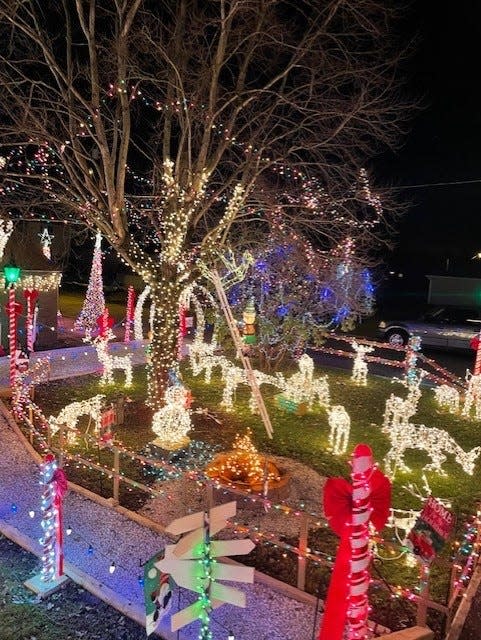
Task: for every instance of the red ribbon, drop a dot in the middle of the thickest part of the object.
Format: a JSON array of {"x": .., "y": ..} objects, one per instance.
[
  {"x": 338, "y": 510},
  {"x": 31, "y": 295}
]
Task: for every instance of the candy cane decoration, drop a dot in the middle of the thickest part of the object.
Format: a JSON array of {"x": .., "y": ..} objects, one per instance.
[
  {"x": 31, "y": 296},
  {"x": 54, "y": 483},
  {"x": 12, "y": 336},
  {"x": 477, "y": 362},
  {"x": 129, "y": 313},
  {"x": 358, "y": 604},
  {"x": 182, "y": 331},
  {"x": 138, "y": 333}
]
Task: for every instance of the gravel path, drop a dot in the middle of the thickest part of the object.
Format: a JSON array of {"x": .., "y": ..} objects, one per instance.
[{"x": 268, "y": 616}]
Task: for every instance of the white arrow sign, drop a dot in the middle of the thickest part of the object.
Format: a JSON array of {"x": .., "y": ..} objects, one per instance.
[{"x": 191, "y": 562}]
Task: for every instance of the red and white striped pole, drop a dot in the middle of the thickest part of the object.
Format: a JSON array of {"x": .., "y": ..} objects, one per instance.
[
  {"x": 477, "y": 362},
  {"x": 358, "y": 602},
  {"x": 54, "y": 482},
  {"x": 12, "y": 336},
  {"x": 31, "y": 296}
]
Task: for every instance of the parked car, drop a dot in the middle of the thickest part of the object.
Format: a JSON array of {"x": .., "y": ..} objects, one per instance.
[{"x": 442, "y": 327}]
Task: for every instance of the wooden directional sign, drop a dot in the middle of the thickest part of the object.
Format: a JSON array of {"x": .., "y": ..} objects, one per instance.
[{"x": 181, "y": 561}]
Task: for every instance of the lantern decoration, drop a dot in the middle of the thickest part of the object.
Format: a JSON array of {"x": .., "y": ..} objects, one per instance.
[
  {"x": 46, "y": 242},
  {"x": 350, "y": 509},
  {"x": 12, "y": 274},
  {"x": 249, "y": 327},
  {"x": 129, "y": 314},
  {"x": 54, "y": 482},
  {"x": 31, "y": 296},
  {"x": 94, "y": 302}
]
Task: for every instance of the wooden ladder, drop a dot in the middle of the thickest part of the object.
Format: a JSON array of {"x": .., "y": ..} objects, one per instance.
[{"x": 234, "y": 330}]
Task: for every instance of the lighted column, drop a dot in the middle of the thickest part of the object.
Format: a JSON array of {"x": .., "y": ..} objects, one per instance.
[
  {"x": 12, "y": 275},
  {"x": 31, "y": 296}
]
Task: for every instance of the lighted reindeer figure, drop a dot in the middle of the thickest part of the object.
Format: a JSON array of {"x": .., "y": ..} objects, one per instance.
[
  {"x": 473, "y": 395},
  {"x": 447, "y": 397},
  {"x": 234, "y": 376},
  {"x": 435, "y": 442},
  {"x": 359, "y": 369},
  {"x": 203, "y": 358},
  {"x": 399, "y": 411},
  {"x": 303, "y": 387},
  {"x": 110, "y": 362},
  {"x": 340, "y": 424},
  {"x": 70, "y": 414}
]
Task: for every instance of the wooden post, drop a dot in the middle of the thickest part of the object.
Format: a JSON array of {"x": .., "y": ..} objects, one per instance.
[
  {"x": 422, "y": 610},
  {"x": 61, "y": 442},
  {"x": 302, "y": 560},
  {"x": 116, "y": 477},
  {"x": 210, "y": 496}
]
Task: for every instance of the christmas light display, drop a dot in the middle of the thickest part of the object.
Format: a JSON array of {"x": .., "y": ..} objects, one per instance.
[
  {"x": 94, "y": 303},
  {"x": 303, "y": 387},
  {"x": 6, "y": 228},
  {"x": 399, "y": 411},
  {"x": 472, "y": 399},
  {"x": 350, "y": 510},
  {"x": 112, "y": 362},
  {"x": 340, "y": 428},
  {"x": 435, "y": 442},
  {"x": 54, "y": 485},
  {"x": 129, "y": 313},
  {"x": 234, "y": 376},
  {"x": 359, "y": 368},
  {"x": 42, "y": 283},
  {"x": 447, "y": 397},
  {"x": 31, "y": 296},
  {"x": 413, "y": 347},
  {"x": 139, "y": 307},
  {"x": 71, "y": 413},
  {"x": 46, "y": 242},
  {"x": 172, "y": 422}
]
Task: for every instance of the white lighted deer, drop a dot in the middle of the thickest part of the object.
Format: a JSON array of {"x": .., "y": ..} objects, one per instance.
[
  {"x": 398, "y": 411},
  {"x": 110, "y": 362},
  {"x": 473, "y": 395},
  {"x": 435, "y": 442},
  {"x": 234, "y": 376},
  {"x": 340, "y": 424},
  {"x": 70, "y": 414},
  {"x": 359, "y": 369},
  {"x": 447, "y": 397},
  {"x": 303, "y": 387}
]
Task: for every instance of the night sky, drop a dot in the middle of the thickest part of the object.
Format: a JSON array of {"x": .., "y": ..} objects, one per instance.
[{"x": 444, "y": 145}]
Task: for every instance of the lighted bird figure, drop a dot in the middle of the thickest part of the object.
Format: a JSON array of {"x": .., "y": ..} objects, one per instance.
[{"x": 249, "y": 328}]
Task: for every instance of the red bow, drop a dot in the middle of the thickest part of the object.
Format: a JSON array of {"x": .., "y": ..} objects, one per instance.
[{"x": 31, "y": 295}]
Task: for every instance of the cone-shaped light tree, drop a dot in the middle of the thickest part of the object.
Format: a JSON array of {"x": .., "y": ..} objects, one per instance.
[
  {"x": 163, "y": 125},
  {"x": 94, "y": 303}
]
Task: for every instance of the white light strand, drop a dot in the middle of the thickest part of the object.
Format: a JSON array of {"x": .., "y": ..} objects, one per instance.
[
  {"x": 71, "y": 413},
  {"x": 172, "y": 422},
  {"x": 472, "y": 398},
  {"x": 110, "y": 362},
  {"x": 6, "y": 228},
  {"x": 447, "y": 397},
  {"x": 359, "y": 368},
  {"x": 139, "y": 307},
  {"x": 340, "y": 428}
]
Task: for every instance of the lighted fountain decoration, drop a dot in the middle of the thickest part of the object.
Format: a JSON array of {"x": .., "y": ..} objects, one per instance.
[{"x": 246, "y": 469}]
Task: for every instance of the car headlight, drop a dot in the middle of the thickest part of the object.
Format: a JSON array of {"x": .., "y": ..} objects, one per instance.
[{"x": 382, "y": 325}]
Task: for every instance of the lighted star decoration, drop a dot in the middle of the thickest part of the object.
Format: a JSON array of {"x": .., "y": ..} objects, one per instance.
[{"x": 46, "y": 242}]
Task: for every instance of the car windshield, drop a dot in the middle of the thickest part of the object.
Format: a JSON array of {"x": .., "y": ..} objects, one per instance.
[{"x": 453, "y": 315}]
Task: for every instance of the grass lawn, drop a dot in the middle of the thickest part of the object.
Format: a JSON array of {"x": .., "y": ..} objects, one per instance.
[
  {"x": 304, "y": 439},
  {"x": 70, "y": 303}
]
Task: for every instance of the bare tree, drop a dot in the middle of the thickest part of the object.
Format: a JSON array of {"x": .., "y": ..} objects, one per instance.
[{"x": 166, "y": 124}]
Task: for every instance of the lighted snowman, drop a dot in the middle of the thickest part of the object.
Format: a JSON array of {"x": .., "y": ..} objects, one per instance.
[{"x": 172, "y": 422}]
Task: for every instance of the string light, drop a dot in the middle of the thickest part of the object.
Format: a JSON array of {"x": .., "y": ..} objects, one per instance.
[
  {"x": 447, "y": 397},
  {"x": 302, "y": 387},
  {"x": 473, "y": 395},
  {"x": 94, "y": 303},
  {"x": 112, "y": 362},
  {"x": 139, "y": 307},
  {"x": 359, "y": 369},
  {"x": 46, "y": 242},
  {"x": 398, "y": 411},
  {"x": 340, "y": 428},
  {"x": 172, "y": 422},
  {"x": 6, "y": 228},
  {"x": 71, "y": 413}
]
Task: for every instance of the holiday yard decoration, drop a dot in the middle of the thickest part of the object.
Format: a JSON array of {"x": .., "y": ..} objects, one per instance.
[
  {"x": 129, "y": 313},
  {"x": 435, "y": 442},
  {"x": 410, "y": 362},
  {"x": 110, "y": 362},
  {"x": 94, "y": 303},
  {"x": 158, "y": 588},
  {"x": 350, "y": 510},
  {"x": 302, "y": 387},
  {"x": 359, "y": 369},
  {"x": 31, "y": 296},
  {"x": 249, "y": 323},
  {"x": 172, "y": 422},
  {"x": 432, "y": 528},
  {"x": 472, "y": 399},
  {"x": 6, "y": 228},
  {"x": 139, "y": 307},
  {"x": 340, "y": 427},
  {"x": 193, "y": 564},
  {"x": 54, "y": 483},
  {"x": 71, "y": 413},
  {"x": 447, "y": 397},
  {"x": 399, "y": 411},
  {"x": 46, "y": 242}
]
